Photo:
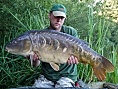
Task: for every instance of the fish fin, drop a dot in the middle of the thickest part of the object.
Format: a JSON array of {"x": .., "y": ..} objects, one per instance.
[
  {"x": 84, "y": 42},
  {"x": 34, "y": 63},
  {"x": 107, "y": 65},
  {"x": 100, "y": 73},
  {"x": 31, "y": 60},
  {"x": 54, "y": 66},
  {"x": 104, "y": 66}
]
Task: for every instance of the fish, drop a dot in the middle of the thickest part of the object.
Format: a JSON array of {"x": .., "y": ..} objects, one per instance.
[{"x": 55, "y": 48}]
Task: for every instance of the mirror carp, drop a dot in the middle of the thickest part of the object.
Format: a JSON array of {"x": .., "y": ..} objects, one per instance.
[{"x": 56, "y": 47}]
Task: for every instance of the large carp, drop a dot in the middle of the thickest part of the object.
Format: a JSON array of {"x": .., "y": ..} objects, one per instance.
[{"x": 56, "y": 47}]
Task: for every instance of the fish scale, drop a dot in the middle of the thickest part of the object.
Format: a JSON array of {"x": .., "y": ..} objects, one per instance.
[{"x": 56, "y": 47}]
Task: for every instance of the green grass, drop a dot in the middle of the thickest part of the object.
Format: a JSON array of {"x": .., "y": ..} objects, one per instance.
[
  {"x": 16, "y": 71},
  {"x": 98, "y": 40}
]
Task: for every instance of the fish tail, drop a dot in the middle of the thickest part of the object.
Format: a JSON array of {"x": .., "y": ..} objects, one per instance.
[
  {"x": 100, "y": 73},
  {"x": 105, "y": 66}
]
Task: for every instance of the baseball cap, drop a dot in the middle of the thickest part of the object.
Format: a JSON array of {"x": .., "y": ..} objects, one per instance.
[{"x": 58, "y": 10}]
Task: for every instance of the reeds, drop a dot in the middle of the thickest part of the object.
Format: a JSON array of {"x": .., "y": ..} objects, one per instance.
[{"x": 97, "y": 39}]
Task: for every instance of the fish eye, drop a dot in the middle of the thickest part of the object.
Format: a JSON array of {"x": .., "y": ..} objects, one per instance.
[{"x": 14, "y": 42}]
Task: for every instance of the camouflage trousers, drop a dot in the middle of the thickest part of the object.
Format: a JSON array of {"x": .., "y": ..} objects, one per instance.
[{"x": 42, "y": 82}]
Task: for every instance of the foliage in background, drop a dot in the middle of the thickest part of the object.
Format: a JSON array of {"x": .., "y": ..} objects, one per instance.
[{"x": 18, "y": 16}]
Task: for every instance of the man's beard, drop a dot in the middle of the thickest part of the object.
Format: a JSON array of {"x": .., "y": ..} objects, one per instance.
[{"x": 54, "y": 28}]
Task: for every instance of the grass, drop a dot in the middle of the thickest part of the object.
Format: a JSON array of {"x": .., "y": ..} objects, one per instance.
[
  {"x": 99, "y": 42},
  {"x": 16, "y": 70}
]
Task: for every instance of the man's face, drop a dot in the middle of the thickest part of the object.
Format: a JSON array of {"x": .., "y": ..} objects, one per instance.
[{"x": 56, "y": 22}]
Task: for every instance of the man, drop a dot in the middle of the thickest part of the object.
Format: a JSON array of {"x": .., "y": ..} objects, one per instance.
[{"x": 67, "y": 75}]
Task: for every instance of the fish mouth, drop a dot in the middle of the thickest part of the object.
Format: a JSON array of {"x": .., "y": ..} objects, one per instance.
[
  {"x": 7, "y": 49},
  {"x": 10, "y": 50}
]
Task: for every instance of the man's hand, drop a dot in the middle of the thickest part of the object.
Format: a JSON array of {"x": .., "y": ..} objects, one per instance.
[
  {"x": 34, "y": 60},
  {"x": 72, "y": 60},
  {"x": 35, "y": 57}
]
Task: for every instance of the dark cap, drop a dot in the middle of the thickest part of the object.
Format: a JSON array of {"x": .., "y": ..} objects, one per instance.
[{"x": 59, "y": 10}]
